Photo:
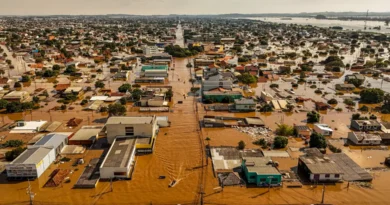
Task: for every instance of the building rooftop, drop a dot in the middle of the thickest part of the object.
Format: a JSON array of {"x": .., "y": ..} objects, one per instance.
[
  {"x": 362, "y": 135},
  {"x": 120, "y": 152},
  {"x": 52, "y": 139},
  {"x": 16, "y": 94},
  {"x": 324, "y": 127},
  {"x": 32, "y": 155},
  {"x": 302, "y": 127},
  {"x": 351, "y": 170},
  {"x": 87, "y": 133},
  {"x": 229, "y": 158},
  {"x": 130, "y": 120},
  {"x": 367, "y": 122},
  {"x": 260, "y": 165},
  {"x": 73, "y": 89},
  {"x": 386, "y": 124},
  {"x": 244, "y": 101},
  {"x": 318, "y": 163}
]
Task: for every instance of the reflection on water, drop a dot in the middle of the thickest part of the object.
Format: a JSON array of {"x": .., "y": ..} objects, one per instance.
[{"x": 347, "y": 25}]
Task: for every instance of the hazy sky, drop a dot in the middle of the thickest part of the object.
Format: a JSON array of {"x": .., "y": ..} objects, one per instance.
[{"x": 146, "y": 7}]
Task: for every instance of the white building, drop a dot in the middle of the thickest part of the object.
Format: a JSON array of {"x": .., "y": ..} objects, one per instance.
[
  {"x": 323, "y": 129},
  {"x": 266, "y": 96},
  {"x": 150, "y": 50},
  {"x": 119, "y": 161},
  {"x": 38, "y": 157},
  {"x": 362, "y": 138},
  {"x": 28, "y": 126}
]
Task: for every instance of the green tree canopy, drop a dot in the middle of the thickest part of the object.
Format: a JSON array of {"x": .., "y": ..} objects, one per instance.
[
  {"x": 313, "y": 117},
  {"x": 317, "y": 140},
  {"x": 124, "y": 88},
  {"x": 372, "y": 95},
  {"x": 116, "y": 110},
  {"x": 280, "y": 142},
  {"x": 241, "y": 145}
]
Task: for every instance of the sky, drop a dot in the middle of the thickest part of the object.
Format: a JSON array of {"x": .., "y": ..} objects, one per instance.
[{"x": 150, "y": 7}]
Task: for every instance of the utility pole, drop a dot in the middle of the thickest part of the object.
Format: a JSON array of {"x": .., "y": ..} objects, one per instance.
[
  {"x": 112, "y": 189},
  {"x": 323, "y": 194},
  {"x": 201, "y": 195},
  {"x": 30, "y": 193}
]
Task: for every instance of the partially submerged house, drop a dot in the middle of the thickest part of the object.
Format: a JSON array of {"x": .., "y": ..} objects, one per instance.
[
  {"x": 261, "y": 171},
  {"x": 323, "y": 129},
  {"x": 362, "y": 138},
  {"x": 366, "y": 125}
]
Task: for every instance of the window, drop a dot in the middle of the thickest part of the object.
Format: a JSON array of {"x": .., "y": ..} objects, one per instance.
[
  {"x": 252, "y": 177},
  {"x": 263, "y": 180},
  {"x": 337, "y": 176},
  {"x": 129, "y": 131},
  {"x": 327, "y": 175},
  {"x": 274, "y": 180}
]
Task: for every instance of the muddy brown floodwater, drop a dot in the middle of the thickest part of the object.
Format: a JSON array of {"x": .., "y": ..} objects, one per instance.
[{"x": 178, "y": 156}]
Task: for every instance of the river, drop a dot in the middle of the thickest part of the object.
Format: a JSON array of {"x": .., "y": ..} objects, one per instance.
[{"x": 326, "y": 23}]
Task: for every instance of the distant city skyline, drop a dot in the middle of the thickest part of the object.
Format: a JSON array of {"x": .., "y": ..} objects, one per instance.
[{"x": 163, "y": 7}]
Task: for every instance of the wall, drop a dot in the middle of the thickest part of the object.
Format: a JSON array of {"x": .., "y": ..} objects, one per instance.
[
  {"x": 146, "y": 130},
  {"x": 331, "y": 177},
  {"x": 108, "y": 172},
  {"x": 46, "y": 162}
]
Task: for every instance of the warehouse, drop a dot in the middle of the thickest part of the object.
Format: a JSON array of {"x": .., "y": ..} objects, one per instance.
[
  {"x": 85, "y": 136},
  {"x": 38, "y": 157},
  {"x": 119, "y": 161}
]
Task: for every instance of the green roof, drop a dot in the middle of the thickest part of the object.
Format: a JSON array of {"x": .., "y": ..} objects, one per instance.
[{"x": 154, "y": 67}]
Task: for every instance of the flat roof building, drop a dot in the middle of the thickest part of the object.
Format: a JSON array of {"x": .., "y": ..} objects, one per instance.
[
  {"x": 119, "y": 161},
  {"x": 86, "y": 135}
]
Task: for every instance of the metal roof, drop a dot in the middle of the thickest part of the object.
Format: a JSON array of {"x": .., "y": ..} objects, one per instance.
[
  {"x": 52, "y": 140},
  {"x": 87, "y": 133},
  {"x": 319, "y": 163},
  {"x": 259, "y": 165},
  {"x": 32, "y": 155},
  {"x": 120, "y": 152}
]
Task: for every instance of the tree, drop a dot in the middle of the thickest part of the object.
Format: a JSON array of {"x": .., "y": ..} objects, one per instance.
[
  {"x": 313, "y": 117},
  {"x": 136, "y": 94},
  {"x": 364, "y": 108},
  {"x": 123, "y": 101},
  {"x": 266, "y": 108},
  {"x": 116, "y": 110},
  {"x": 17, "y": 85},
  {"x": 349, "y": 102},
  {"x": 48, "y": 73},
  {"x": 169, "y": 94},
  {"x": 317, "y": 140},
  {"x": 56, "y": 67},
  {"x": 99, "y": 84},
  {"x": 13, "y": 143},
  {"x": 26, "y": 78},
  {"x": 280, "y": 142},
  {"x": 13, "y": 154},
  {"x": 356, "y": 82},
  {"x": 3, "y": 104},
  {"x": 35, "y": 99},
  {"x": 70, "y": 70},
  {"x": 284, "y": 130},
  {"x": 372, "y": 96},
  {"x": 241, "y": 145},
  {"x": 124, "y": 88},
  {"x": 332, "y": 101},
  {"x": 247, "y": 78}
]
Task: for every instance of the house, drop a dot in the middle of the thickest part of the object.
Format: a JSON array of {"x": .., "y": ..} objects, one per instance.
[
  {"x": 261, "y": 171},
  {"x": 86, "y": 135},
  {"x": 149, "y": 50},
  {"x": 266, "y": 96},
  {"x": 366, "y": 125},
  {"x": 17, "y": 96},
  {"x": 362, "y": 138},
  {"x": 38, "y": 157},
  {"x": 318, "y": 168},
  {"x": 221, "y": 95},
  {"x": 203, "y": 62},
  {"x": 244, "y": 104},
  {"x": 323, "y": 129},
  {"x": 74, "y": 122},
  {"x": 28, "y": 126},
  {"x": 345, "y": 87},
  {"x": 385, "y": 127},
  {"x": 303, "y": 131},
  {"x": 284, "y": 69},
  {"x": 354, "y": 76},
  {"x": 321, "y": 106},
  {"x": 60, "y": 88},
  {"x": 154, "y": 71},
  {"x": 74, "y": 90},
  {"x": 123, "y": 75},
  {"x": 144, "y": 129}
]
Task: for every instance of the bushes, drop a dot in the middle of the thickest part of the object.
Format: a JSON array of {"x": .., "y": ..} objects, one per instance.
[
  {"x": 285, "y": 130},
  {"x": 334, "y": 149},
  {"x": 241, "y": 145},
  {"x": 13, "y": 143},
  {"x": 317, "y": 140},
  {"x": 349, "y": 102},
  {"x": 13, "y": 154},
  {"x": 313, "y": 117},
  {"x": 280, "y": 142},
  {"x": 332, "y": 101}
]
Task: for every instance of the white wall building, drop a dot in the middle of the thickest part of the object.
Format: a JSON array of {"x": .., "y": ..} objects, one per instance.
[
  {"x": 323, "y": 129},
  {"x": 38, "y": 157},
  {"x": 362, "y": 138},
  {"x": 150, "y": 50}
]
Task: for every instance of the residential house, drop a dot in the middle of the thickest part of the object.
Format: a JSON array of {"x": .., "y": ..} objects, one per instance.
[
  {"x": 354, "y": 76},
  {"x": 17, "y": 96},
  {"x": 266, "y": 96},
  {"x": 366, "y": 125},
  {"x": 323, "y": 129},
  {"x": 302, "y": 131},
  {"x": 385, "y": 127},
  {"x": 345, "y": 87},
  {"x": 318, "y": 168},
  {"x": 78, "y": 91},
  {"x": 261, "y": 171},
  {"x": 362, "y": 138},
  {"x": 244, "y": 105}
]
